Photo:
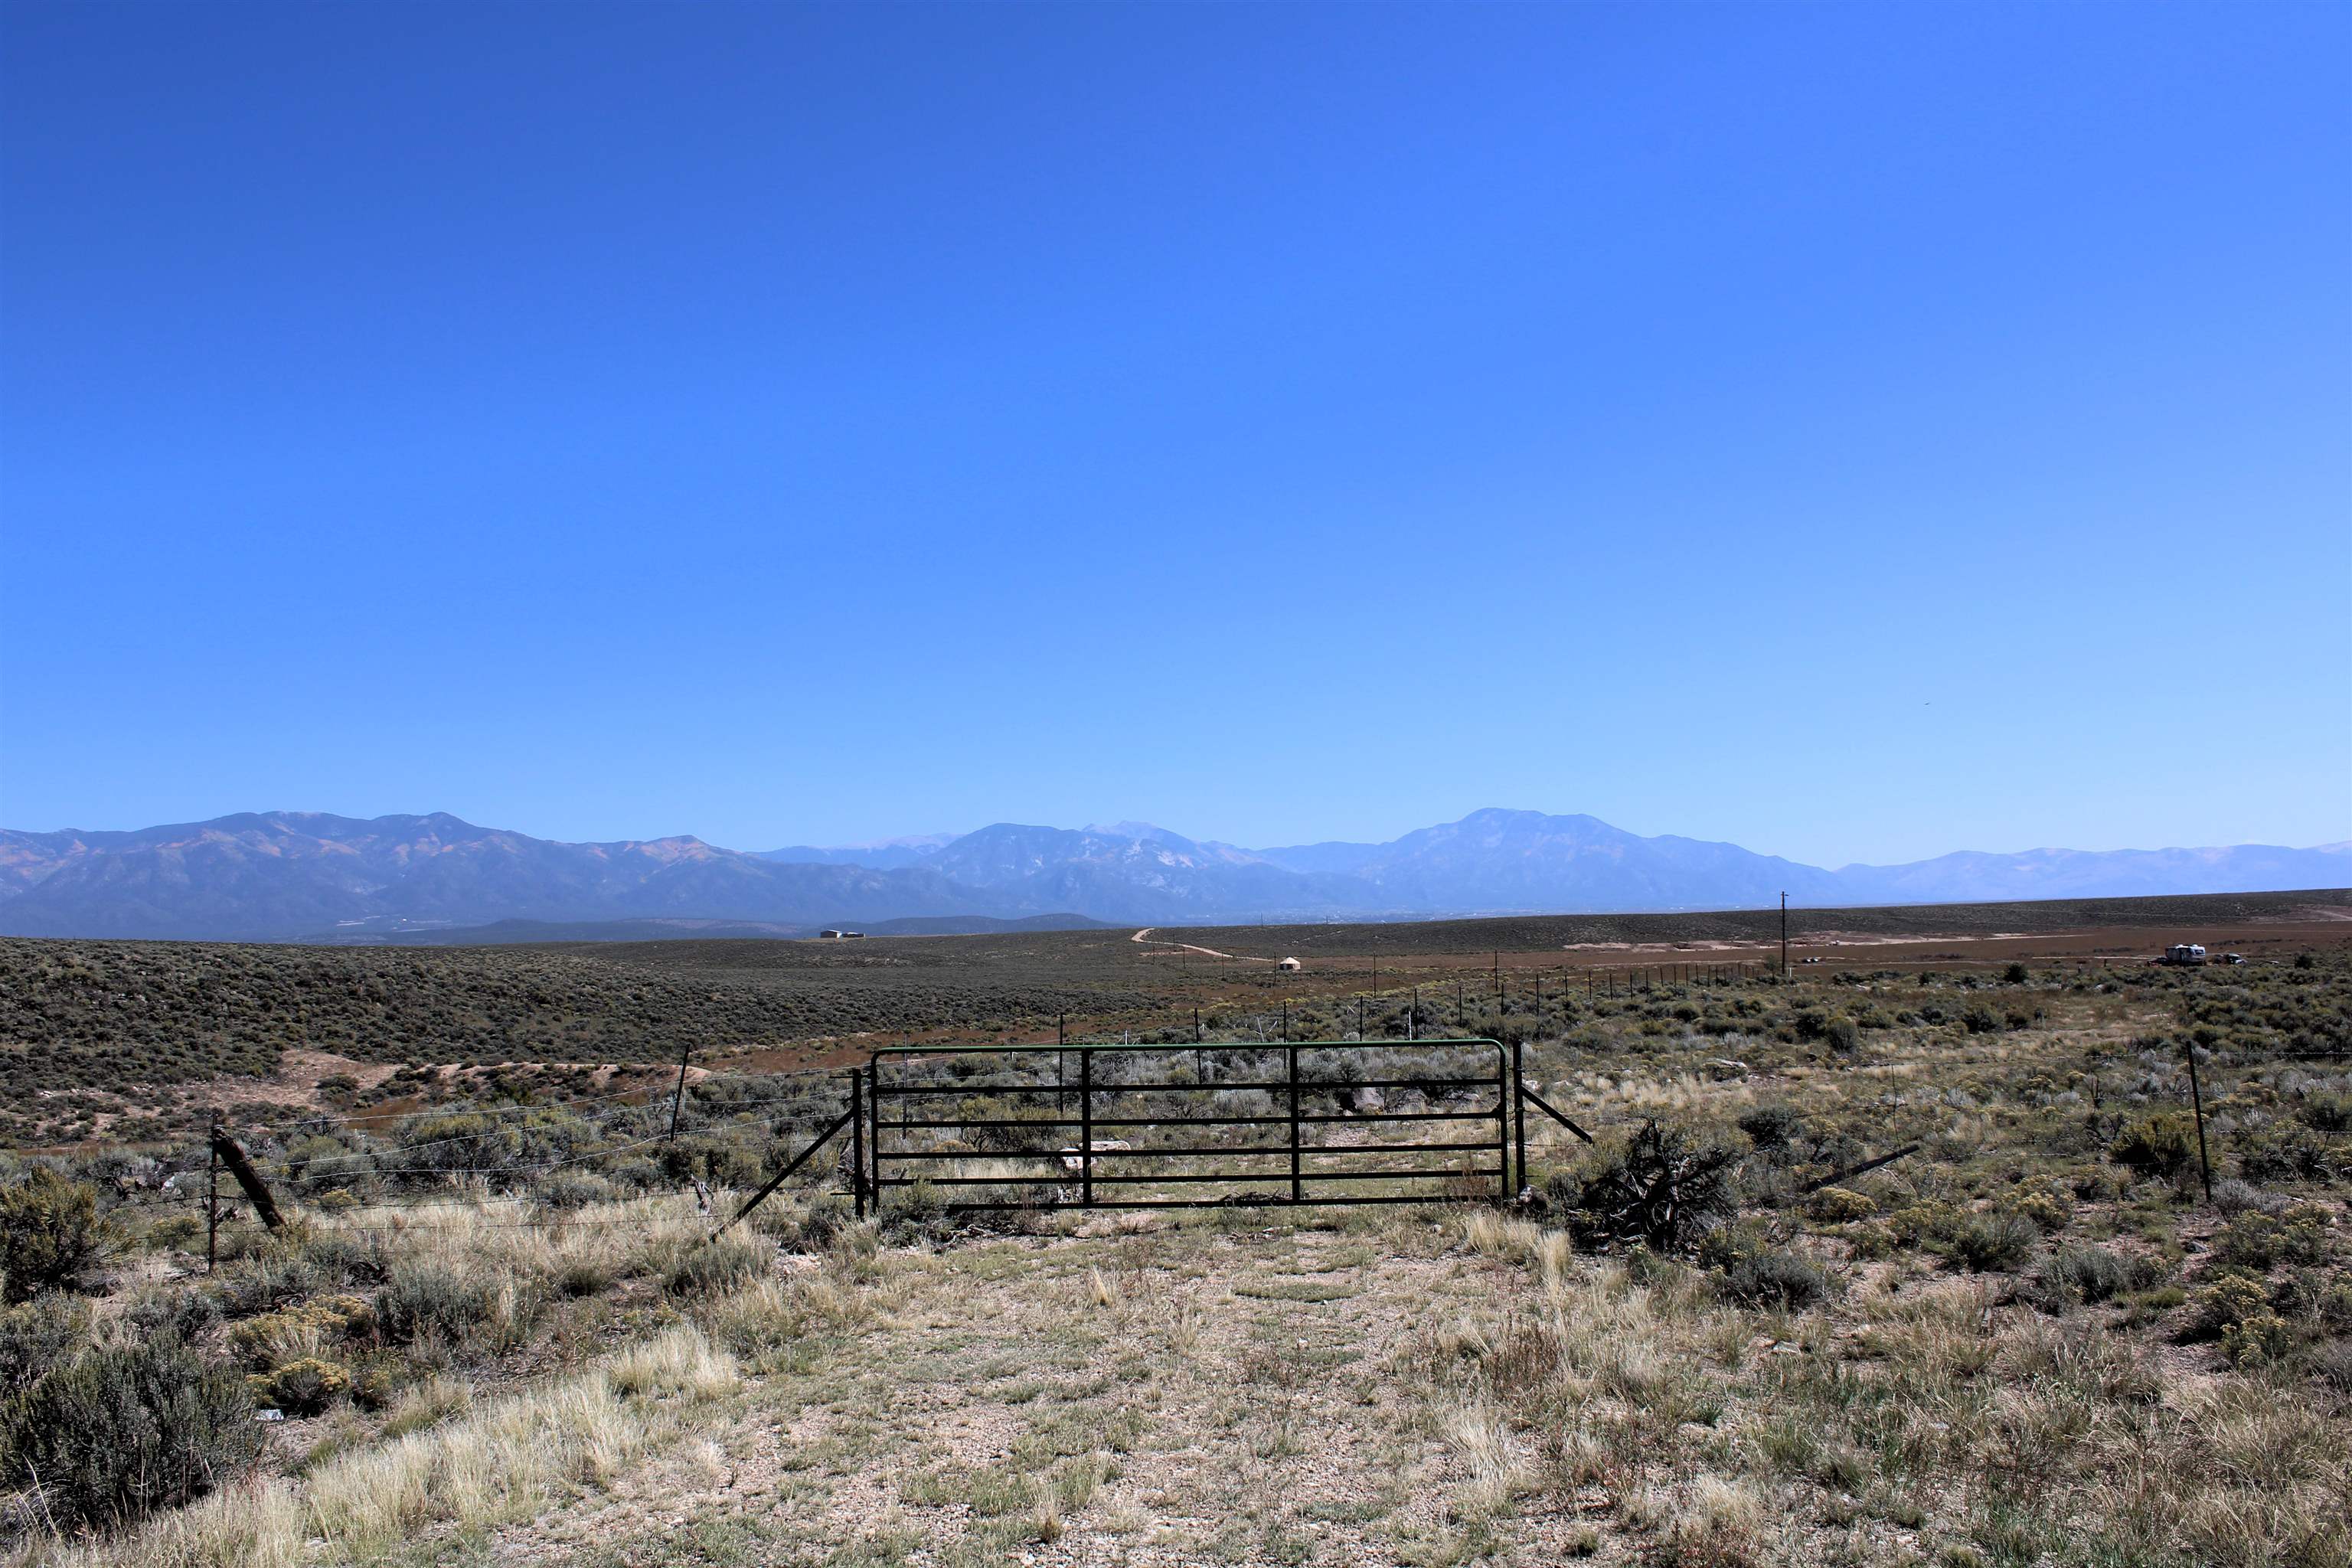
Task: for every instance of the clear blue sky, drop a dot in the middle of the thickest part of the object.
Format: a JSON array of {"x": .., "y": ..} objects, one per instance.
[{"x": 1857, "y": 431}]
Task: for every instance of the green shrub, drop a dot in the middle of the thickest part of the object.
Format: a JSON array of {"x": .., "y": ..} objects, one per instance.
[
  {"x": 377, "y": 1380},
  {"x": 2299, "y": 1235},
  {"x": 265, "y": 1279},
  {"x": 1726, "y": 1247},
  {"x": 2016, "y": 974},
  {"x": 173, "y": 1309},
  {"x": 174, "y": 1233},
  {"x": 827, "y": 1216},
  {"x": 51, "y": 1233},
  {"x": 1986, "y": 1243},
  {"x": 1979, "y": 1019},
  {"x": 1871, "y": 1239},
  {"x": 2084, "y": 1274},
  {"x": 1771, "y": 1126},
  {"x": 1928, "y": 1221},
  {"x": 2327, "y": 1112},
  {"x": 2047, "y": 1211},
  {"x": 575, "y": 1190},
  {"x": 421, "y": 1297},
  {"x": 1840, "y": 1205},
  {"x": 2294, "y": 1153},
  {"x": 125, "y": 1429},
  {"x": 266, "y": 1339},
  {"x": 2229, "y": 1298},
  {"x": 717, "y": 1268},
  {"x": 1774, "y": 1279},
  {"x": 2256, "y": 1338},
  {"x": 37, "y": 1335},
  {"x": 301, "y": 1387},
  {"x": 919, "y": 1213},
  {"x": 2159, "y": 1145}
]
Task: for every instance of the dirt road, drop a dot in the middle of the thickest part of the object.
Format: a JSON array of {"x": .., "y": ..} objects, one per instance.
[{"x": 1190, "y": 947}]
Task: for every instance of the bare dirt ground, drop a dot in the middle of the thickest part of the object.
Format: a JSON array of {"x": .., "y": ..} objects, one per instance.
[{"x": 1165, "y": 948}]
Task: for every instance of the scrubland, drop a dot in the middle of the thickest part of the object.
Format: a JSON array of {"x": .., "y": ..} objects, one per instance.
[{"x": 2035, "y": 1340}]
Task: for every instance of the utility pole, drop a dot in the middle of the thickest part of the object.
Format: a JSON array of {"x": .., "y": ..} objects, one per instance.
[{"x": 1784, "y": 936}]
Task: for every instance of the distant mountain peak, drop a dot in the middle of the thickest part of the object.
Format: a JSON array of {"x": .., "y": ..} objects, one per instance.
[{"x": 284, "y": 874}]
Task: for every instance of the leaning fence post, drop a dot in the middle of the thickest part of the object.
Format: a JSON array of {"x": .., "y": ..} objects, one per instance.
[
  {"x": 677, "y": 1096},
  {"x": 2197, "y": 1099},
  {"x": 226, "y": 1151}
]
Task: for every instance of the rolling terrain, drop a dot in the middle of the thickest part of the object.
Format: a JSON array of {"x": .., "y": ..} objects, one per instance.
[
  {"x": 509, "y": 1324},
  {"x": 102, "y": 1036}
]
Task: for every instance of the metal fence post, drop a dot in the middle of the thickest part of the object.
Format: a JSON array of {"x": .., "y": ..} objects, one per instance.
[
  {"x": 1297, "y": 1192},
  {"x": 1086, "y": 1129},
  {"x": 2197, "y": 1099},
  {"x": 212, "y": 1200},
  {"x": 858, "y": 1142},
  {"x": 1519, "y": 1111}
]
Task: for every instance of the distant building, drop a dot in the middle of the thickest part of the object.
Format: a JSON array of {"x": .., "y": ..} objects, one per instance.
[
  {"x": 1286, "y": 964},
  {"x": 839, "y": 935}
]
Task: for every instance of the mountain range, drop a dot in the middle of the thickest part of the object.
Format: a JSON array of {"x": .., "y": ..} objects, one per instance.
[{"x": 310, "y": 876}]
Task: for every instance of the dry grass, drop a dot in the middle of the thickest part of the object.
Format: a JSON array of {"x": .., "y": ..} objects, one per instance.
[
  {"x": 1417, "y": 1387},
  {"x": 493, "y": 1463}
]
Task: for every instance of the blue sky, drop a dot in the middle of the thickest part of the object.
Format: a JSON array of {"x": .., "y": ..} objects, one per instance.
[{"x": 1855, "y": 431}]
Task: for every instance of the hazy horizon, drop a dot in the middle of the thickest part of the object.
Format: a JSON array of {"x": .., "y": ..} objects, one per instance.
[{"x": 1113, "y": 826}]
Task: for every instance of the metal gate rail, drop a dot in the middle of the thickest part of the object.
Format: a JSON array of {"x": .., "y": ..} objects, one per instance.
[{"x": 902, "y": 1166}]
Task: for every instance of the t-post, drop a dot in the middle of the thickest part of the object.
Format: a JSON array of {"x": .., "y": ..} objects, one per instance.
[{"x": 2197, "y": 1099}]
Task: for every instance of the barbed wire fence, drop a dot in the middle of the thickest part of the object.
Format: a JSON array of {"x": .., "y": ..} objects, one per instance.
[{"x": 474, "y": 1153}]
